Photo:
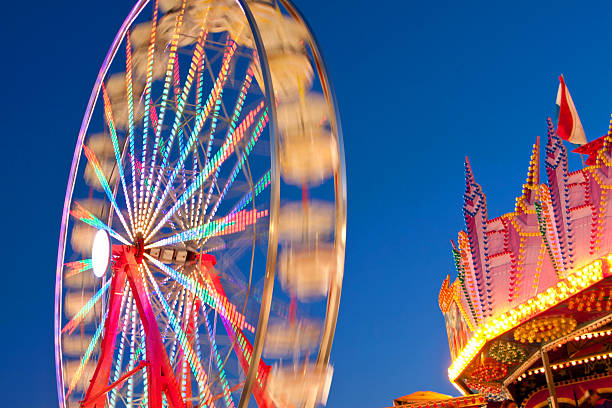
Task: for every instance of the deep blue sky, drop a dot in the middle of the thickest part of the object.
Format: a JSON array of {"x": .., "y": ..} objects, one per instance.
[{"x": 420, "y": 85}]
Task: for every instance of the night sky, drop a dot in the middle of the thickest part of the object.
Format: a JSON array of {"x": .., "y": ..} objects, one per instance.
[{"x": 420, "y": 85}]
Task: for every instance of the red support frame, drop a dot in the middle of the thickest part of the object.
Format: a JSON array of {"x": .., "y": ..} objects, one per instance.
[
  {"x": 160, "y": 377},
  {"x": 213, "y": 283}
]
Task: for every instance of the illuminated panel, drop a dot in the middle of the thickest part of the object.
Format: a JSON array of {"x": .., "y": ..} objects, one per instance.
[
  {"x": 227, "y": 396},
  {"x": 93, "y": 160},
  {"x": 111, "y": 126},
  {"x": 215, "y": 94},
  {"x": 86, "y": 356},
  {"x": 76, "y": 267},
  {"x": 74, "y": 322},
  {"x": 195, "y": 364},
  {"x": 574, "y": 283},
  {"x": 88, "y": 218},
  {"x": 222, "y": 154},
  {"x": 225, "y": 308}
]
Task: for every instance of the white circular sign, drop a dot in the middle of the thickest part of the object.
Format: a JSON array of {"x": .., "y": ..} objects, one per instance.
[{"x": 100, "y": 253}]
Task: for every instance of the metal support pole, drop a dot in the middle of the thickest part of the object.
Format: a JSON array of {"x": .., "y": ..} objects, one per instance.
[{"x": 549, "y": 380}]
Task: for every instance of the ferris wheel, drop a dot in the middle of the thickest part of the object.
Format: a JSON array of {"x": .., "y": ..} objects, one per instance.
[{"x": 201, "y": 250}]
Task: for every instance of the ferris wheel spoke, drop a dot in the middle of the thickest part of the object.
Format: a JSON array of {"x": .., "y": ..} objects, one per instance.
[
  {"x": 143, "y": 353},
  {"x": 132, "y": 360},
  {"x": 119, "y": 359},
  {"x": 80, "y": 315},
  {"x": 246, "y": 84},
  {"x": 76, "y": 267},
  {"x": 225, "y": 308},
  {"x": 181, "y": 102},
  {"x": 242, "y": 347},
  {"x": 227, "y": 396},
  {"x": 147, "y": 108},
  {"x": 238, "y": 166},
  {"x": 80, "y": 213},
  {"x": 261, "y": 184},
  {"x": 172, "y": 63},
  {"x": 87, "y": 355},
  {"x": 224, "y": 225},
  {"x": 214, "y": 95},
  {"x": 179, "y": 311},
  {"x": 93, "y": 160},
  {"x": 130, "y": 100},
  {"x": 111, "y": 125},
  {"x": 196, "y": 366},
  {"x": 222, "y": 154}
]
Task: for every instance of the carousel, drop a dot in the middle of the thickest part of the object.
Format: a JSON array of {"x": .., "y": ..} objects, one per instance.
[{"x": 529, "y": 316}]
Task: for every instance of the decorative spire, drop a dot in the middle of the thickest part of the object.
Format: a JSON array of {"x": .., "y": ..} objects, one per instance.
[
  {"x": 556, "y": 168},
  {"x": 555, "y": 151},
  {"x": 531, "y": 186},
  {"x": 605, "y": 152},
  {"x": 474, "y": 198},
  {"x": 475, "y": 213}
]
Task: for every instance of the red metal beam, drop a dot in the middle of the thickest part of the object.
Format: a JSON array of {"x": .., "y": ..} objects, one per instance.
[
  {"x": 160, "y": 376},
  {"x": 122, "y": 379}
]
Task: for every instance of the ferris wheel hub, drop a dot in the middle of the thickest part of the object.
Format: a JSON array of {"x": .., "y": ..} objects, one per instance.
[{"x": 139, "y": 247}]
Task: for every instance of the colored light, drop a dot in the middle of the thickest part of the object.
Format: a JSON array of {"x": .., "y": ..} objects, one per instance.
[
  {"x": 222, "y": 154},
  {"x": 214, "y": 95},
  {"x": 76, "y": 267},
  {"x": 578, "y": 280},
  {"x": 101, "y": 253}
]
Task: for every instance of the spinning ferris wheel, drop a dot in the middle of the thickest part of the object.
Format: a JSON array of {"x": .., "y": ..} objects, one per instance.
[{"x": 201, "y": 251}]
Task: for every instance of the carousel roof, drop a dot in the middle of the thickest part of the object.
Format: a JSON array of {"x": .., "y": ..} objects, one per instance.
[{"x": 538, "y": 278}]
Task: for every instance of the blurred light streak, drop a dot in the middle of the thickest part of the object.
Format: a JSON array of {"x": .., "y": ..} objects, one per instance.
[
  {"x": 76, "y": 267},
  {"x": 86, "y": 356},
  {"x": 77, "y": 318},
  {"x": 93, "y": 160},
  {"x": 88, "y": 218},
  {"x": 147, "y": 108},
  {"x": 225, "y": 308},
  {"x": 196, "y": 367},
  {"x": 215, "y": 94},
  {"x": 229, "y": 402},
  {"x": 222, "y": 154},
  {"x": 111, "y": 126}
]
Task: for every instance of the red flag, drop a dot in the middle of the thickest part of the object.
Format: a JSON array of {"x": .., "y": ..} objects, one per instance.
[
  {"x": 591, "y": 148},
  {"x": 568, "y": 127}
]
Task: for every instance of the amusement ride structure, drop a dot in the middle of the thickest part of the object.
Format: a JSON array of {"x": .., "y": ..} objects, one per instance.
[
  {"x": 208, "y": 167},
  {"x": 529, "y": 317}
]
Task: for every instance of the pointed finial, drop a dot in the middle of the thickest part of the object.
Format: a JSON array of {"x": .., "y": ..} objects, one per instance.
[
  {"x": 606, "y": 148},
  {"x": 533, "y": 174},
  {"x": 531, "y": 186},
  {"x": 469, "y": 175}
]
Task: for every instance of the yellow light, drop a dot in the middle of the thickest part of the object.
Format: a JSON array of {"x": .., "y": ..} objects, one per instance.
[{"x": 576, "y": 281}]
